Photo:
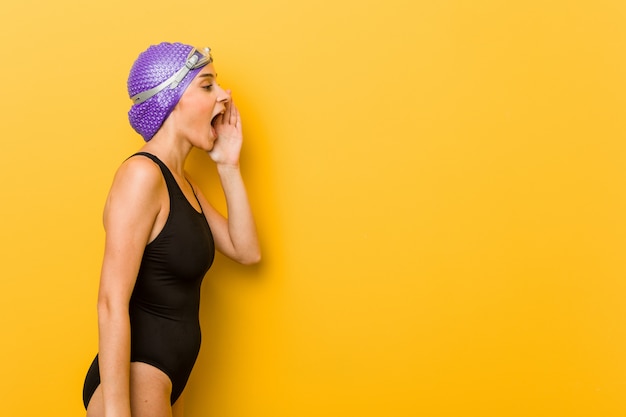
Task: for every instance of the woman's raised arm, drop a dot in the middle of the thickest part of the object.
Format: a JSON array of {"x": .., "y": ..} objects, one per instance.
[{"x": 235, "y": 236}]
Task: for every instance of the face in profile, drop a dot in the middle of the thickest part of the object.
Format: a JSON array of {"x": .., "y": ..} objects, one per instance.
[{"x": 198, "y": 107}]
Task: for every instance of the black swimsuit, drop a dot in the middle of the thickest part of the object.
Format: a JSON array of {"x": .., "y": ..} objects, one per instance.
[{"x": 163, "y": 309}]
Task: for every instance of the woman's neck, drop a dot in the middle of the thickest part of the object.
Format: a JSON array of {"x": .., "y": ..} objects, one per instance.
[{"x": 168, "y": 149}]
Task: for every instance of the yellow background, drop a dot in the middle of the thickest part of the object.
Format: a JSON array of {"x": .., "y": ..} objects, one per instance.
[{"x": 439, "y": 188}]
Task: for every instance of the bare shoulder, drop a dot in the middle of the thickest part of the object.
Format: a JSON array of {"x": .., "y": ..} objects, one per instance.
[
  {"x": 138, "y": 186},
  {"x": 139, "y": 170}
]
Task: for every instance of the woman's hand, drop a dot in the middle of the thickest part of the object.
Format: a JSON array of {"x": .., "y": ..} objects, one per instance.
[
  {"x": 235, "y": 235},
  {"x": 227, "y": 146}
]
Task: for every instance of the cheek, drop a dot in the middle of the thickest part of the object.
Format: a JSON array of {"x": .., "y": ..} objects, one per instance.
[
  {"x": 197, "y": 112},
  {"x": 202, "y": 109},
  {"x": 197, "y": 108},
  {"x": 193, "y": 100}
]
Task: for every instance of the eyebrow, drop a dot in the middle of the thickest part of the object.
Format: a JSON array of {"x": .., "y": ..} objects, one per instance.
[{"x": 207, "y": 75}]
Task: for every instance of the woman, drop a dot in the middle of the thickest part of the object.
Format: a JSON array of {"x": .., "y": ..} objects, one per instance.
[{"x": 161, "y": 234}]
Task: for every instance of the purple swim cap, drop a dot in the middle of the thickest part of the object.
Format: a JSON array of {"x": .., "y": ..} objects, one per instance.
[{"x": 157, "y": 80}]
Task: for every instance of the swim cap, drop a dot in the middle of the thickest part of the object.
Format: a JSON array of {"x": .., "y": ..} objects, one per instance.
[{"x": 157, "y": 80}]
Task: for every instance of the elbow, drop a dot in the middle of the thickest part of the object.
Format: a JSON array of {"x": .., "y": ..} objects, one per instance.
[
  {"x": 104, "y": 310},
  {"x": 109, "y": 308},
  {"x": 103, "y": 305},
  {"x": 251, "y": 258}
]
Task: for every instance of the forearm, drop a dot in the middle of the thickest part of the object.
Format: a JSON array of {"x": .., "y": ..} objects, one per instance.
[
  {"x": 114, "y": 359},
  {"x": 241, "y": 226}
]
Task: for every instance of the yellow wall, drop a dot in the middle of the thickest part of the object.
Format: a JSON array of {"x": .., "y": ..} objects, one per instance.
[{"x": 439, "y": 187}]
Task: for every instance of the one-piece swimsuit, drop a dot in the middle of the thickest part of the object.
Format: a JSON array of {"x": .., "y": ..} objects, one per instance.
[{"x": 165, "y": 302}]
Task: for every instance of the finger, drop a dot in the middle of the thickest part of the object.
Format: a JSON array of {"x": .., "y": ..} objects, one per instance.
[
  {"x": 230, "y": 96},
  {"x": 234, "y": 113},
  {"x": 227, "y": 109},
  {"x": 231, "y": 109}
]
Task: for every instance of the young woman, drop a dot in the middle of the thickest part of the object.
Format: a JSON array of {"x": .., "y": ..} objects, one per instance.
[{"x": 161, "y": 234}]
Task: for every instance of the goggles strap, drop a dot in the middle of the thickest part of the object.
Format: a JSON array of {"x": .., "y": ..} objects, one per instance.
[{"x": 172, "y": 82}]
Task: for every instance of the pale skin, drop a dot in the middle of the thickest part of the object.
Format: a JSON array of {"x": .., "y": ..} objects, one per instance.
[{"x": 136, "y": 211}]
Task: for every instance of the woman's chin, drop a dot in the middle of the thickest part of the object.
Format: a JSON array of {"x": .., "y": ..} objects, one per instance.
[{"x": 210, "y": 145}]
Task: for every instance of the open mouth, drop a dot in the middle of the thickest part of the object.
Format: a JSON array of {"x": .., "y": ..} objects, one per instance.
[{"x": 213, "y": 120}]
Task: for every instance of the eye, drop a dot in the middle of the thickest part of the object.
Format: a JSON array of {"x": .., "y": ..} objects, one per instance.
[{"x": 208, "y": 87}]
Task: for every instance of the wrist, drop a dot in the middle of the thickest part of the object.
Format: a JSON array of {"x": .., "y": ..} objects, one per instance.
[{"x": 225, "y": 168}]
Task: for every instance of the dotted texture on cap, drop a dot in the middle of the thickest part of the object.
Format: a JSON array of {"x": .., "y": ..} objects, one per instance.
[{"x": 152, "y": 67}]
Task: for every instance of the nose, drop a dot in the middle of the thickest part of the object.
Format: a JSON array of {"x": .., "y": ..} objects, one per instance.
[{"x": 223, "y": 96}]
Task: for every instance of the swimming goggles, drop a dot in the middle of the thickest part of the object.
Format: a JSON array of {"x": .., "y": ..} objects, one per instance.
[{"x": 195, "y": 59}]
